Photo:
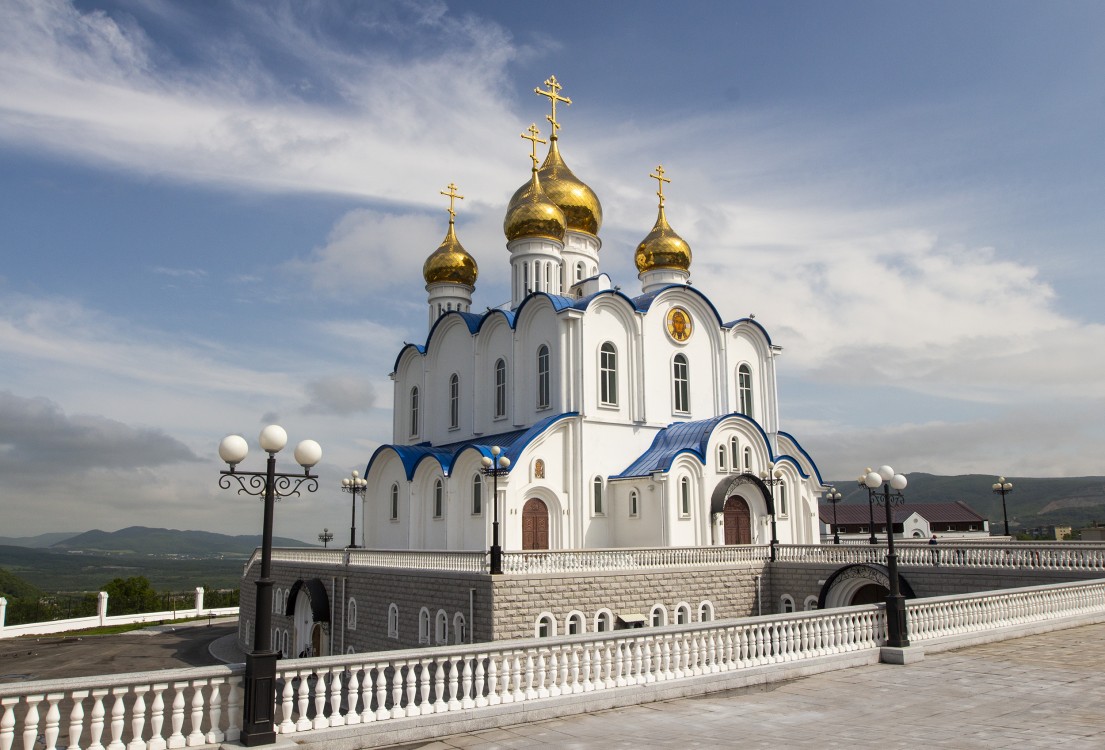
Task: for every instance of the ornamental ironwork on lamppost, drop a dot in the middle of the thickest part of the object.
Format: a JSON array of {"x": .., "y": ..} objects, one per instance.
[
  {"x": 494, "y": 466},
  {"x": 772, "y": 476},
  {"x": 862, "y": 482},
  {"x": 260, "y": 678},
  {"x": 833, "y": 496},
  {"x": 1004, "y": 488},
  {"x": 355, "y": 485},
  {"x": 884, "y": 477},
  {"x": 326, "y": 537}
]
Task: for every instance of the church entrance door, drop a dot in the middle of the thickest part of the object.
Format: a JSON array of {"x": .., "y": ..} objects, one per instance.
[
  {"x": 535, "y": 525},
  {"x": 738, "y": 522}
]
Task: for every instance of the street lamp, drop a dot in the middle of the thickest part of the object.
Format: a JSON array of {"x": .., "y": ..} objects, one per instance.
[
  {"x": 355, "y": 485},
  {"x": 862, "y": 481},
  {"x": 326, "y": 537},
  {"x": 834, "y": 497},
  {"x": 896, "y": 630},
  {"x": 772, "y": 476},
  {"x": 260, "y": 677},
  {"x": 1004, "y": 488},
  {"x": 495, "y": 466}
]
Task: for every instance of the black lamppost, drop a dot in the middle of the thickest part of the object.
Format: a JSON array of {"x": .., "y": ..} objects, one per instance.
[
  {"x": 1004, "y": 488},
  {"x": 355, "y": 485},
  {"x": 862, "y": 481},
  {"x": 834, "y": 497},
  {"x": 896, "y": 630},
  {"x": 260, "y": 677},
  {"x": 772, "y": 476},
  {"x": 495, "y": 466},
  {"x": 326, "y": 537}
]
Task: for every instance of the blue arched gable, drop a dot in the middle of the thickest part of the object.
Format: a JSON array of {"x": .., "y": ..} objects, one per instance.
[
  {"x": 816, "y": 471},
  {"x": 684, "y": 437},
  {"x": 643, "y": 302},
  {"x": 419, "y": 350},
  {"x": 508, "y": 315},
  {"x": 733, "y": 324},
  {"x": 794, "y": 462}
]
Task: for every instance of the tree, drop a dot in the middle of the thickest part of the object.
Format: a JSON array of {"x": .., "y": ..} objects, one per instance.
[{"x": 131, "y": 595}]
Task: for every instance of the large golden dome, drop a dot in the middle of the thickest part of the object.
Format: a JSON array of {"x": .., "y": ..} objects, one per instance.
[
  {"x": 532, "y": 213},
  {"x": 450, "y": 263},
  {"x": 663, "y": 248},
  {"x": 581, "y": 207}
]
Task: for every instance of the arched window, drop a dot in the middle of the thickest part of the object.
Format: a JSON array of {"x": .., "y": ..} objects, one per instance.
[
  {"x": 598, "y": 496},
  {"x": 500, "y": 388},
  {"x": 477, "y": 495},
  {"x": 579, "y": 271},
  {"x": 786, "y": 603},
  {"x": 810, "y": 603},
  {"x": 460, "y": 628},
  {"x": 659, "y": 616},
  {"x": 744, "y": 384},
  {"x": 414, "y": 412},
  {"x": 685, "y": 496},
  {"x": 439, "y": 499},
  {"x": 423, "y": 625},
  {"x": 604, "y": 621},
  {"x": 441, "y": 629},
  {"x": 735, "y": 453},
  {"x": 573, "y": 625},
  {"x": 393, "y": 620},
  {"x": 682, "y": 613},
  {"x": 454, "y": 401},
  {"x": 608, "y": 375},
  {"x": 722, "y": 464},
  {"x": 543, "y": 388},
  {"x": 545, "y": 627},
  {"x": 748, "y": 458},
  {"x": 705, "y": 611},
  {"x": 681, "y": 384},
  {"x": 395, "y": 502},
  {"x": 634, "y": 506},
  {"x": 782, "y": 495},
  {"x": 351, "y": 615}
]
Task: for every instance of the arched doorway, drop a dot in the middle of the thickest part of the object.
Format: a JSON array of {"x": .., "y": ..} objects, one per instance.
[
  {"x": 872, "y": 593},
  {"x": 309, "y": 607},
  {"x": 535, "y": 525},
  {"x": 738, "y": 521},
  {"x": 861, "y": 583}
]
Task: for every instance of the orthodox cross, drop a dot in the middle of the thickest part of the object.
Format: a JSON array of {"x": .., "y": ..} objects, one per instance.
[
  {"x": 534, "y": 140},
  {"x": 554, "y": 96},
  {"x": 452, "y": 195},
  {"x": 660, "y": 180}
]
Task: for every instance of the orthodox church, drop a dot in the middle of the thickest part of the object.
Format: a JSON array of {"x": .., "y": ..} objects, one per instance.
[{"x": 609, "y": 418}]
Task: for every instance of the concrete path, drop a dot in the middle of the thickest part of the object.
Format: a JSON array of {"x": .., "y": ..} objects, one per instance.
[{"x": 1042, "y": 691}]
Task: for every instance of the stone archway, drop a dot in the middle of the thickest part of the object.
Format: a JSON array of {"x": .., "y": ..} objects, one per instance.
[
  {"x": 738, "y": 521},
  {"x": 866, "y": 583},
  {"x": 535, "y": 525},
  {"x": 309, "y": 607}
]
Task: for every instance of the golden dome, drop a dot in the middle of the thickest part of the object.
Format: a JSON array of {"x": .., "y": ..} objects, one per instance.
[
  {"x": 532, "y": 214},
  {"x": 663, "y": 248},
  {"x": 450, "y": 263},
  {"x": 581, "y": 207}
]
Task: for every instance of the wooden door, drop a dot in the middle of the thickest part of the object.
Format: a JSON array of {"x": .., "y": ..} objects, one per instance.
[
  {"x": 535, "y": 525},
  {"x": 738, "y": 522}
]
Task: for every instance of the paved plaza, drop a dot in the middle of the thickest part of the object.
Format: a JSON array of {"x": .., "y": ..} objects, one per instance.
[{"x": 1042, "y": 691}]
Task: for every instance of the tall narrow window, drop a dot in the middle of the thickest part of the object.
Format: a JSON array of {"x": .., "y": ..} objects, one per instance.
[
  {"x": 454, "y": 401},
  {"x": 414, "y": 412},
  {"x": 748, "y": 458},
  {"x": 477, "y": 495},
  {"x": 744, "y": 383},
  {"x": 634, "y": 507},
  {"x": 543, "y": 377},
  {"x": 394, "y": 502},
  {"x": 608, "y": 375},
  {"x": 681, "y": 384},
  {"x": 393, "y": 620},
  {"x": 734, "y": 453},
  {"x": 439, "y": 498},
  {"x": 722, "y": 464},
  {"x": 579, "y": 272},
  {"x": 598, "y": 496},
  {"x": 500, "y": 388},
  {"x": 782, "y": 498},
  {"x": 685, "y": 496}
]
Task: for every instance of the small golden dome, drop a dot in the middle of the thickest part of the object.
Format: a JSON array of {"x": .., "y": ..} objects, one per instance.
[
  {"x": 450, "y": 263},
  {"x": 663, "y": 248},
  {"x": 532, "y": 214},
  {"x": 581, "y": 207}
]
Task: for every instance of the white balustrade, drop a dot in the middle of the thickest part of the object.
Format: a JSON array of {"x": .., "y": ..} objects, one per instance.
[{"x": 1068, "y": 556}]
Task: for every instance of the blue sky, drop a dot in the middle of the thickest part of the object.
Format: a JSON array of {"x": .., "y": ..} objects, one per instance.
[{"x": 215, "y": 215}]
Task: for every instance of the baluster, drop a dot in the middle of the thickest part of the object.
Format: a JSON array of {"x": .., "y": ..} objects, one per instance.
[
  {"x": 137, "y": 719},
  {"x": 453, "y": 703},
  {"x": 542, "y": 691},
  {"x": 157, "y": 718},
  {"x": 53, "y": 720},
  {"x": 7, "y": 721},
  {"x": 638, "y": 662},
  {"x": 302, "y": 701},
  {"x": 466, "y": 683},
  {"x": 494, "y": 694},
  {"x": 30, "y": 721},
  {"x": 425, "y": 705},
  {"x": 287, "y": 699},
  {"x": 381, "y": 693},
  {"x": 483, "y": 693},
  {"x": 694, "y": 665},
  {"x": 196, "y": 737},
  {"x": 676, "y": 656},
  {"x": 556, "y": 657},
  {"x": 588, "y": 686},
  {"x": 410, "y": 684},
  {"x": 320, "y": 721},
  {"x": 367, "y": 714},
  {"x": 619, "y": 660},
  {"x": 516, "y": 676},
  {"x": 215, "y": 711},
  {"x": 530, "y": 693},
  {"x": 118, "y": 718},
  {"x": 506, "y": 692},
  {"x": 76, "y": 722},
  {"x": 336, "y": 718},
  {"x": 573, "y": 683},
  {"x": 397, "y": 711},
  {"x": 441, "y": 666},
  {"x": 712, "y": 650},
  {"x": 609, "y": 679},
  {"x": 176, "y": 739}
]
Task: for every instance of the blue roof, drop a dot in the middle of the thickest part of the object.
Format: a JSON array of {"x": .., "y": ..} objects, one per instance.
[
  {"x": 807, "y": 456},
  {"x": 753, "y": 321},
  {"x": 513, "y": 444}
]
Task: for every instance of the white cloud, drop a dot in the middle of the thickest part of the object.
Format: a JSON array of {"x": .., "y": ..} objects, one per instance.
[{"x": 340, "y": 394}]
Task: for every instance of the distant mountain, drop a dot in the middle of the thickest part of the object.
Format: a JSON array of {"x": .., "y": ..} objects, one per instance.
[
  {"x": 1073, "y": 501},
  {"x": 15, "y": 587},
  {"x": 140, "y": 540},
  {"x": 37, "y": 542}
]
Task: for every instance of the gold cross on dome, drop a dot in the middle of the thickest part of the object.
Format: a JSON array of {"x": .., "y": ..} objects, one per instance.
[
  {"x": 660, "y": 180},
  {"x": 534, "y": 140},
  {"x": 452, "y": 195},
  {"x": 554, "y": 96}
]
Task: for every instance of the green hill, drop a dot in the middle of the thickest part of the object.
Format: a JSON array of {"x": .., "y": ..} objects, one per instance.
[
  {"x": 141, "y": 540},
  {"x": 14, "y": 587}
]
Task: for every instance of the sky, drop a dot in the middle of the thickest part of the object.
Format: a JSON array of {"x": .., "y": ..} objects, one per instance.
[{"x": 213, "y": 216}]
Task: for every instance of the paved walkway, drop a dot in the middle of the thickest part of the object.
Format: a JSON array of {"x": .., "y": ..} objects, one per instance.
[{"x": 1042, "y": 691}]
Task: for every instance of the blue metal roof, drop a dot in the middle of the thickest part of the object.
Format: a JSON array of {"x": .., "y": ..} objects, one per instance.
[
  {"x": 644, "y": 301},
  {"x": 753, "y": 321},
  {"x": 807, "y": 456}
]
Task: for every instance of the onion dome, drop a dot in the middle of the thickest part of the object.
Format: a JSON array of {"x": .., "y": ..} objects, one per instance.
[
  {"x": 532, "y": 214},
  {"x": 450, "y": 263},
  {"x": 663, "y": 248},
  {"x": 581, "y": 207}
]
